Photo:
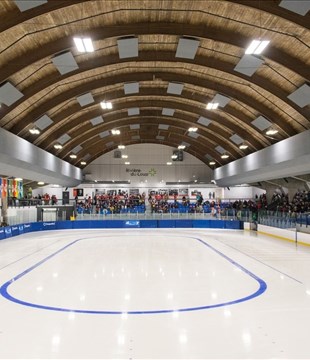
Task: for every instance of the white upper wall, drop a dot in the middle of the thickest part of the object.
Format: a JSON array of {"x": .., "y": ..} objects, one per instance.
[
  {"x": 20, "y": 158},
  {"x": 148, "y": 164}
]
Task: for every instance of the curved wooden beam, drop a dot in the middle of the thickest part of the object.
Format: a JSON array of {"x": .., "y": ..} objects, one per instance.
[
  {"x": 165, "y": 56},
  {"x": 148, "y": 76}
]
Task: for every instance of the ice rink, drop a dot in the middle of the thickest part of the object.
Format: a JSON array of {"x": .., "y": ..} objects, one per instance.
[{"x": 153, "y": 293}]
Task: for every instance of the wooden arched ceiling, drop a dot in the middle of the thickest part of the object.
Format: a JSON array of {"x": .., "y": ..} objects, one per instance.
[{"x": 31, "y": 39}]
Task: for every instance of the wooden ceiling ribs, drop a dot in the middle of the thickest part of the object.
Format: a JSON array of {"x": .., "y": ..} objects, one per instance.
[{"x": 32, "y": 38}]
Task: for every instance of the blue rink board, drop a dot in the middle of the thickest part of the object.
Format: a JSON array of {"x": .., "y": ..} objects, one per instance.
[{"x": 15, "y": 230}]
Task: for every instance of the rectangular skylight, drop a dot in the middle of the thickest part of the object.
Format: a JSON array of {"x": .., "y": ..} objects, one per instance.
[
  {"x": 131, "y": 88},
  {"x": 63, "y": 139},
  {"x": 77, "y": 149},
  {"x": 133, "y": 111},
  {"x": 248, "y": 64},
  {"x": 175, "y": 88},
  {"x": 97, "y": 120},
  {"x": 134, "y": 126},
  {"x": 204, "y": 121},
  {"x": 106, "y": 105},
  {"x": 221, "y": 100},
  {"x": 84, "y": 45},
  {"x": 104, "y": 134},
  {"x": 261, "y": 123},
  {"x": 43, "y": 122},
  {"x": 168, "y": 112},
  {"x": 301, "y": 96},
  {"x": 65, "y": 63},
  {"x": 24, "y": 5},
  {"x": 127, "y": 48},
  {"x": 163, "y": 126},
  {"x": 220, "y": 150},
  {"x": 85, "y": 99},
  {"x": 256, "y": 47},
  {"x": 236, "y": 139},
  {"x": 300, "y": 7},
  {"x": 187, "y": 48},
  {"x": 212, "y": 106},
  {"x": 9, "y": 94}
]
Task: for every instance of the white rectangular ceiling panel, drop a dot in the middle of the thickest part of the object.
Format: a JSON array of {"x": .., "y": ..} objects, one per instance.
[
  {"x": 65, "y": 63},
  {"x": 64, "y": 138},
  {"x": 175, "y": 88},
  {"x": 248, "y": 64},
  {"x": 220, "y": 150},
  {"x": 163, "y": 127},
  {"x": 209, "y": 157},
  {"x": 221, "y": 100},
  {"x": 85, "y": 99},
  {"x": 110, "y": 144},
  {"x": 236, "y": 139},
  {"x": 24, "y": 5},
  {"x": 159, "y": 137},
  {"x": 133, "y": 111},
  {"x": 77, "y": 149},
  {"x": 168, "y": 112},
  {"x": 300, "y": 7},
  {"x": 187, "y": 48},
  {"x": 131, "y": 88},
  {"x": 135, "y": 137},
  {"x": 104, "y": 134},
  {"x": 261, "y": 123},
  {"x": 127, "y": 48},
  {"x": 97, "y": 120},
  {"x": 193, "y": 135},
  {"x": 43, "y": 122},
  {"x": 9, "y": 94},
  {"x": 134, "y": 126},
  {"x": 204, "y": 121},
  {"x": 301, "y": 96}
]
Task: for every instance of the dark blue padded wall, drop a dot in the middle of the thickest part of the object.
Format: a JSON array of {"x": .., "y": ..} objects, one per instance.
[{"x": 14, "y": 230}]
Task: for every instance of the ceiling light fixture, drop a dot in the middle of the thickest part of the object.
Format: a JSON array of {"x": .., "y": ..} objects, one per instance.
[
  {"x": 83, "y": 162},
  {"x": 34, "y": 131},
  {"x": 225, "y": 156},
  {"x": 181, "y": 147},
  {"x": 115, "y": 132},
  {"x": 84, "y": 44},
  {"x": 106, "y": 105},
  {"x": 41, "y": 183},
  {"x": 18, "y": 179},
  {"x": 174, "y": 156},
  {"x": 212, "y": 163},
  {"x": 212, "y": 106},
  {"x": 124, "y": 156},
  {"x": 243, "y": 146},
  {"x": 127, "y": 163},
  {"x": 256, "y": 47},
  {"x": 271, "y": 132},
  {"x": 192, "y": 129},
  {"x": 121, "y": 147},
  {"x": 169, "y": 163},
  {"x": 58, "y": 146},
  {"x": 73, "y": 156}
]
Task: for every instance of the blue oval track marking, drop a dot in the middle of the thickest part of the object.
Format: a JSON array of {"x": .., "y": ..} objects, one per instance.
[{"x": 262, "y": 286}]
